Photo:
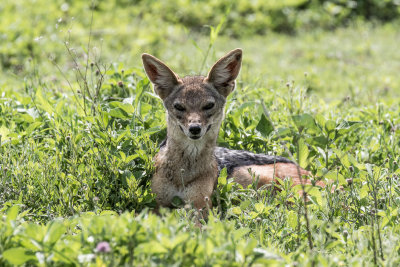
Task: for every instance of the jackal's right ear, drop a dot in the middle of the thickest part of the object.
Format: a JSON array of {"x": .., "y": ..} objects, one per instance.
[
  {"x": 163, "y": 78},
  {"x": 223, "y": 74}
]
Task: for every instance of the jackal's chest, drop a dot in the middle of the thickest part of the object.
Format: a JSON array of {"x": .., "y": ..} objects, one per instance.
[
  {"x": 180, "y": 168},
  {"x": 187, "y": 180}
]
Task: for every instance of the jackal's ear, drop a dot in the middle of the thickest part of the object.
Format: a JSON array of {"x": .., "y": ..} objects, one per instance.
[
  {"x": 224, "y": 72},
  {"x": 163, "y": 78}
]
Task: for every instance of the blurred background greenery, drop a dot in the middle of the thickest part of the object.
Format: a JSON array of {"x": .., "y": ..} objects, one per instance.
[{"x": 282, "y": 39}]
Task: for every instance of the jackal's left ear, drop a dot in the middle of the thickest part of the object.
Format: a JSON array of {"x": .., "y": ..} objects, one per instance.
[
  {"x": 223, "y": 74},
  {"x": 163, "y": 78}
]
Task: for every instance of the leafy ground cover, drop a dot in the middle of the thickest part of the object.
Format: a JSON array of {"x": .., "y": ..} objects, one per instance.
[{"x": 78, "y": 134}]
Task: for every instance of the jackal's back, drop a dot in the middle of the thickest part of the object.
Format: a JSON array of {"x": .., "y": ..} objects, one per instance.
[{"x": 231, "y": 159}]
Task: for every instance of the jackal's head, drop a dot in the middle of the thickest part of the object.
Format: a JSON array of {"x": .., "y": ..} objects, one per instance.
[{"x": 195, "y": 104}]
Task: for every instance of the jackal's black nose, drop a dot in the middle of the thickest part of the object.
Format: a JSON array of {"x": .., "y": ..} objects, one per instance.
[{"x": 195, "y": 129}]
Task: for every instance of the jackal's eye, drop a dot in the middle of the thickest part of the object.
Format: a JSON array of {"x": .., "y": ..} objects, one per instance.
[
  {"x": 179, "y": 107},
  {"x": 208, "y": 106}
]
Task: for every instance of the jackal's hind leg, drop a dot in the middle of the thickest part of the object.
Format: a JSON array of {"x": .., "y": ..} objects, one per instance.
[{"x": 267, "y": 173}]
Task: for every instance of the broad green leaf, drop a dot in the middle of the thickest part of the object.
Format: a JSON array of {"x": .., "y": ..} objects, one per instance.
[
  {"x": 17, "y": 256},
  {"x": 118, "y": 113},
  {"x": 333, "y": 245},
  {"x": 236, "y": 210},
  {"x": 355, "y": 163},
  {"x": 343, "y": 157},
  {"x": 24, "y": 117},
  {"x": 292, "y": 219},
  {"x": 305, "y": 122},
  {"x": 222, "y": 177},
  {"x": 178, "y": 240},
  {"x": 345, "y": 160},
  {"x": 139, "y": 91},
  {"x": 4, "y": 132},
  {"x": 250, "y": 245},
  {"x": 128, "y": 108},
  {"x": 108, "y": 212},
  {"x": 54, "y": 232},
  {"x": 334, "y": 176},
  {"x": 303, "y": 153},
  {"x": 35, "y": 233},
  {"x": 347, "y": 126},
  {"x": 264, "y": 126},
  {"x": 44, "y": 104},
  {"x": 320, "y": 141},
  {"x": 369, "y": 170},
  {"x": 253, "y": 214},
  {"x": 105, "y": 118},
  {"x": 145, "y": 108},
  {"x": 316, "y": 194},
  {"x": 245, "y": 204},
  {"x": 282, "y": 132},
  {"x": 123, "y": 156},
  {"x": 330, "y": 126},
  {"x": 241, "y": 232},
  {"x": 259, "y": 207},
  {"x": 152, "y": 247},
  {"x": 364, "y": 191},
  {"x": 121, "y": 136},
  {"x": 60, "y": 105},
  {"x": 320, "y": 120},
  {"x": 32, "y": 127},
  {"x": 385, "y": 221},
  {"x": 12, "y": 213},
  {"x": 238, "y": 111},
  {"x": 25, "y": 100}
]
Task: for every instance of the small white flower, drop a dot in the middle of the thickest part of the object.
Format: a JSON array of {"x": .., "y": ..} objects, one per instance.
[
  {"x": 40, "y": 257},
  {"x": 86, "y": 258},
  {"x": 37, "y": 39},
  {"x": 64, "y": 7}
]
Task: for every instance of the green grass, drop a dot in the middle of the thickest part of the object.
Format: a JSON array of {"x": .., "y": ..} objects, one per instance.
[{"x": 76, "y": 162}]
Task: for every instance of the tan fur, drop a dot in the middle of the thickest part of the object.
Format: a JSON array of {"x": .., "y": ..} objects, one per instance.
[
  {"x": 186, "y": 166},
  {"x": 266, "y": 174},
  {"x": 186, "y": 172}
]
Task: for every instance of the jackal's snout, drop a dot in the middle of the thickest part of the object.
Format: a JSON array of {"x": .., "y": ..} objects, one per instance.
[{"x": 194, "y": 128}]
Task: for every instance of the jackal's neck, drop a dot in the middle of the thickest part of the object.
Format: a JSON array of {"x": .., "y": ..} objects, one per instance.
[
  {"x": 186, "y": 149},
  {"x": 182, "y": 160},
  {"x": 181, "y": 147}
]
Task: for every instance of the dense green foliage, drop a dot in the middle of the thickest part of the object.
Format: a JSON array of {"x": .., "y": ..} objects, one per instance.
[
  {"x": 79, "y": 127},
  {"x": 259, "y": 17},
  {"x": 43, "y": 34}
]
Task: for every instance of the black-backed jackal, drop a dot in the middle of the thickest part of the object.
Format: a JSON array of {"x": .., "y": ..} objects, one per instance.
[{"x": 188, "y": 163}]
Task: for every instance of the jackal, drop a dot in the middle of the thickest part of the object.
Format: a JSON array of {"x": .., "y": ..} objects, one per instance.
[{"x": 189, "y": 161}]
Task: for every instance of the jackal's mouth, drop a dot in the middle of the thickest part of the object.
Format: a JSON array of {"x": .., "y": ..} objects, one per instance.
[
  {"x": 197, "y": 135},
  {"x": 191, "y": 136}
]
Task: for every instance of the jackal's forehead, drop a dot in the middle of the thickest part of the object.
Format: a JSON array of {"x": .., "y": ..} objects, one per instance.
[{"x": 193, "y": 91}]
